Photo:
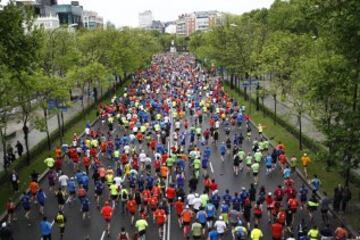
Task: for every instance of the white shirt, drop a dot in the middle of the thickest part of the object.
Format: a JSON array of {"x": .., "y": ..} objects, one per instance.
[
  {"x": 63, "y": 179},
  {"x": 126, "y": 149},
  {"x": 190, "y": 199},
  {"x": 196, "y": 203},
  {"x": 118, "y": 181},
  {"x": 220, "y": 226},
  {"x": 142, "y": 157}
]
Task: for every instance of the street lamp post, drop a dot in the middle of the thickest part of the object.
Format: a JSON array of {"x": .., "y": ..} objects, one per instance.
[{"x": 257, "y": 97}]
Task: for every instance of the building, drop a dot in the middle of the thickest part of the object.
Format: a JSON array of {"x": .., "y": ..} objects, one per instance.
[
  {"x": 42, "y": 8},
  {"x": 181, "y": 28},
  {"x": 157, "y": 25},
  {"x": 48, "y": 23},
  {"x": 170, "y": 28},
  {"x": 70, "y": 14},
  {"x": 145, "y": 19},
  {"x": 91, "y": 20},
  {"x": 198, "y": 21}
]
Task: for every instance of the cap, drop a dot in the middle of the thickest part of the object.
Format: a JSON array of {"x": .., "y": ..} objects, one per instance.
[
  {"x": 187, "y": 206},
  {"x": 243, "y": 188},
  {"x": 220, "y": 218},
  {"x": 196, "y": 195},
  {"x": 179, "y": 198},
  {"x": 239, "y": 223},
  {"x": 3, "y": 224},
  {"x": 269, "y": 193}
]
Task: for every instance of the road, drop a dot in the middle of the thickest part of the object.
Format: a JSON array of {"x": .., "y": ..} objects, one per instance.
[{"x": 94, "y": 228}]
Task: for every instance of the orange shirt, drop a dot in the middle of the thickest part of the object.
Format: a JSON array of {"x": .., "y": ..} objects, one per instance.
[
  {"x": 34, "y": 187},
  {"x": 186, "y": 215},
  {"x": 163, "y": 171}
]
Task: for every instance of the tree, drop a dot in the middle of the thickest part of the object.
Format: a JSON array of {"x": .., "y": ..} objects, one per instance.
[
  {"x": 48, "y": 88},
  {"x": 19, "y": 52},
  {"x": 6, "y": 103}
]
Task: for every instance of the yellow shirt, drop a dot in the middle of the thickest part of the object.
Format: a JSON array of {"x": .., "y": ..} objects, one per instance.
[{"x": 256, "y": 234}]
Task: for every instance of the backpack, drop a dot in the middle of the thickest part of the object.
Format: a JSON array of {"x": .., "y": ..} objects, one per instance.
[
  {"x": 240, "y": 233},
  {"x": 124, "y": 195}
]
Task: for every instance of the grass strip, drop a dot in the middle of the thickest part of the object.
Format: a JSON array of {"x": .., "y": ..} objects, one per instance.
[
  {"x": 37, "y": 162},
  {"x": 329, "y": 178}
]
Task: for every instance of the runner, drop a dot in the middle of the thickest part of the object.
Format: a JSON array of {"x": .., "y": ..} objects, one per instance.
[{"x": 107, "y": 212}]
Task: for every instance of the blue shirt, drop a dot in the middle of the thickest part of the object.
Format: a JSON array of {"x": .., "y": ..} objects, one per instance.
[
  {"x": 25, "y": 201},
  {"x": 71, "y": 186},
  {"x": 213, "y": 235},
  {"x": 210, "y": 209},
  {"x": 45, "y": 228},
  {"x": 268, "y": 161},
  {"x": 201, "y": 217}
]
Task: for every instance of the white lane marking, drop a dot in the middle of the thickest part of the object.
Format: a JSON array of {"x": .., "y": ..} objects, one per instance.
[
  {"x": 211, "y": 167},
  {"x": 52, "y": 223},
  {"x": 103, "y": 235}
]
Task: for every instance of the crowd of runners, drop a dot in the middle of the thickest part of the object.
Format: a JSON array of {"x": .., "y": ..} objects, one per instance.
[{"x": 150, "y": 156}]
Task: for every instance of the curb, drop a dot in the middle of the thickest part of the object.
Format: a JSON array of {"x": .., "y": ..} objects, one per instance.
[
  {"x": 318, "y": 194},
  {"x": 41, "y": 177}
]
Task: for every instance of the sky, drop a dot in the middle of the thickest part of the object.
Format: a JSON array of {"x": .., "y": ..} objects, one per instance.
[{"x": 125, "y": 12}]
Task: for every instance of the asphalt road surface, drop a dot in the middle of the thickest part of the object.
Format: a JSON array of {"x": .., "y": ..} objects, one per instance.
[{"x": 94, "y": 227}]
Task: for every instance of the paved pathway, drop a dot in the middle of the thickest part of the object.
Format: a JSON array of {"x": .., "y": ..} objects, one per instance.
[{"x": 35, "y": 136}]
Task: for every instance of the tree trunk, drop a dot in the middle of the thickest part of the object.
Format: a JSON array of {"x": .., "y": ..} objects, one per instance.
[
  {"x": 62, "y": 123},
  {"x": 47, "y": 128},
  {"x": 275, "y": 106},
  {"x": 82, "y": 99},
  {"x": 300, "y": 131},
  {"x": 3, "y": 142},
  {"x": 351, "y": 138},
  {"x": 262, "y": 103},
  {"x": 59, "y": 125},
  {"x": 26, "y": 139}
]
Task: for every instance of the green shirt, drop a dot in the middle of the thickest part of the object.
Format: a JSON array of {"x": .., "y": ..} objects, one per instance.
[
  {"x": 258, "y": 156},
  {"x": 248, "y": 160},
  {"x": 196, "y": 229},
  {"x": 141, "y": 225},
  {"x": 196, "y": 163},
  {"x": 170, "y": 161},
  {"x": 241, "y": 155},
  {"x": 255, "y": 167},
  {"x": 49, "y": 162},
  {"x": 204, "y": 199}
]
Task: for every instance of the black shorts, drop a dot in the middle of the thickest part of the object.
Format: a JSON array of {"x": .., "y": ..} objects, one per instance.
[
  {"x": 255, "y": 174},
  {"x": 186, "y": 223},
  {"x": 114, "y": 197},
  {"x": 141, "y": 233}
]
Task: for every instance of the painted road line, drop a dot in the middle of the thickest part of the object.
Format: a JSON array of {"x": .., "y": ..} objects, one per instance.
[
  {"x": 103, "y": 235},
  {"x": 52, "y": 223},
  {"x": 211, "y": 167}
]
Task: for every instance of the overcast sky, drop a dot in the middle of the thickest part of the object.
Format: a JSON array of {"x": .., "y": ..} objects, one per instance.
[{"x": 125, "y": 12}]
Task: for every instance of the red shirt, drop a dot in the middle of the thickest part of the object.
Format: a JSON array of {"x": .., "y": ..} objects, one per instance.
[
  {"x": 179, "y": 207},
  {"x": 131, "y": 206},
  {"x": 106, "y": 212},
  {"x": 170, "y": 193},
  {"x": 276, "y": 230},
  {"x": 160, "y": 216}
]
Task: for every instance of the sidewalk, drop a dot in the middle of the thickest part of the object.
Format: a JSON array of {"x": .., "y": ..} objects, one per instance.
[
  {"x": 35, "y": 136},
  {"x": 284, "y": 110}
]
